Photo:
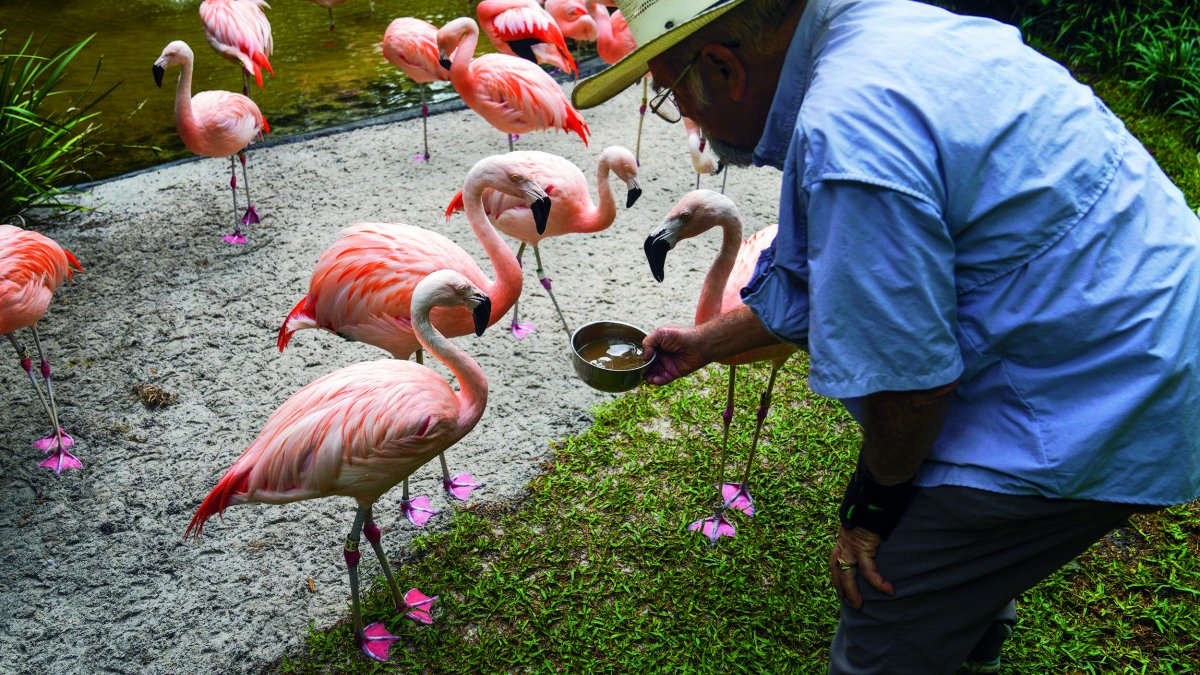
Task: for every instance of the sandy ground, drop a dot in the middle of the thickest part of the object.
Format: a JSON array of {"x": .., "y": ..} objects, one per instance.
[{"x": 94, "y": 573}]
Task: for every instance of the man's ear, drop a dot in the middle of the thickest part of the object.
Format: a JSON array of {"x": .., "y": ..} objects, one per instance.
[{"x": 723, "y": 71}]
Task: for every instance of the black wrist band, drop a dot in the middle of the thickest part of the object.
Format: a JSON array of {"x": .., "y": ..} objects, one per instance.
[{"x": 872, "y": 506}]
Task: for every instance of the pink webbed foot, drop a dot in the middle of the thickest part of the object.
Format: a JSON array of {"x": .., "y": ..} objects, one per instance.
[
  {"x": 60, "y": 460},
  {"x": 375, "y": 642},
  {"x": 420, "y": 157},
  {"x": 737, "y": 496},
  {"x": 417, "y": 510},
  {"x": 459, "y": 487},
  {"x": 51, "y": 442},
  {"x": 235, "y": 237},
  {"x": 522, "y": 330},
  {"x": 251, "y": 216},
  {"x": 714, "y": 528},
  {"x": 419, "y": 605}
]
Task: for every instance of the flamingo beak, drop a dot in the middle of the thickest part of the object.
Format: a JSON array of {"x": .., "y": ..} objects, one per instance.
[
  {"x": 657, "y": 245},
  {"x": 720, "y": 166},
  {"x": 159, "y": 71},
  {"x": 541, "y": 213},
  {"x": 444, "y": 62},
  {"x": 635, "y": 192},
  {"x": 482, "y": 313}
]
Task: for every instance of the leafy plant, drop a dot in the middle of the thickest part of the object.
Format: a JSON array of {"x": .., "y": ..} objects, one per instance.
[{"x": 44, "y": 132}]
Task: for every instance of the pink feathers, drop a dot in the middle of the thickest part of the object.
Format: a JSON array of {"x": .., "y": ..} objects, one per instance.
[{"x": 239, "y": 31}]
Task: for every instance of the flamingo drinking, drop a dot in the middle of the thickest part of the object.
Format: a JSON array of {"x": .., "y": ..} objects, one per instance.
[
  {"x": 524, "y": 28},
  {"x": 363, "y": 284},
  {"x": 411, "y": 45},
  {"x": 573, "y": 210},
  {"x": 239, "y": 31},
  {"x": 32, "y": 266},
  {"x": 358, "y": 431},
  {"x": 695, "y": 214},
  {"x": 213, "y": 124},
  {"x": 512, "y": 94}
]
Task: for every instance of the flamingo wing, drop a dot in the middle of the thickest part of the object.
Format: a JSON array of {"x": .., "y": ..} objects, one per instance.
[
  {"x": 509, "y": 21},
  {"x": 516, "y": 96},
  {"x": 226, "y": 123},
  {"x": 743, "y": 267},
  {"x": 240, "y": 31},
  {"x": 32, "y": 266},
  {"x": 355, "y": 432},
  {"x": 410, "y": 44}
]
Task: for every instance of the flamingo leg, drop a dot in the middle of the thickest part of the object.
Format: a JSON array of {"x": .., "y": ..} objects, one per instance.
[
  {"x": 373, "y": 640},
  {"x": 330, "y": 18},
  {"x": 58, "y": 440},
  {"x": 235, "y": 237},
  {"x": 510, "y": 142},
  {"x": 724, "y": 180},
  {"x": 717, "y": 525},
  {"x": 424, "y": 157},
  {"x": 546, "y": 284},
  {"x": 245, "y": 83},
  {"x": 373, "y": 535},
  {"x": 460, "y": 486},
  {"x": 417, "y": 510},
  {"x": 737, "y": 495},
  {"x": 520, "y": 330},
  {"x": 251, "y": 217},
  {"x": 697, "y": 181},
  {"x": 637, "y": 153}
]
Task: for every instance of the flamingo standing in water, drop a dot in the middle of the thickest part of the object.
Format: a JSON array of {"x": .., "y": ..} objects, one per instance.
[
  {"x": 695, "y": 214},
  {"x": 32, "y": 266},
  {"x": 358, "y": 431},
  {"x": 573, "y": 210},
  {"x": 573, "y": 19},
  {"x": 512, "y": 94},
  {"x": 363, "y": 284},
  {"x": 330, "y": 4},
  {"x": 239, "y": 31},
  {"x": 214, "y": 124},
  {"x": 411, "y": 45},
  {"x": 524, "y": 28}
]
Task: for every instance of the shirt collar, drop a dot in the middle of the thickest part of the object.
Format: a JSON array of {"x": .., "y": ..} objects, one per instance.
[{"x": 793, "y": 83}]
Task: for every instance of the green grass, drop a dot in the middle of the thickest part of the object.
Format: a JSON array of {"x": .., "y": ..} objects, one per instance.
[{"x": 596, "y": 571}]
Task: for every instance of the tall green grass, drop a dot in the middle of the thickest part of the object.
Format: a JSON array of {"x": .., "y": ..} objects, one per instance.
[{"x": 46, "y": 130}]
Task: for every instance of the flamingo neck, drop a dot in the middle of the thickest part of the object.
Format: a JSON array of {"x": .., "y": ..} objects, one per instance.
[
  {"x": 718, "y": 274},
  {"x": 184, "y": 122},
  {"x": 603, "y": 215},
  {"x": 472, "y": 384},
  {"x": 604, "y": 32},
  {"x": 506, "y": 288},
  {"x": 460, "y": 65}
]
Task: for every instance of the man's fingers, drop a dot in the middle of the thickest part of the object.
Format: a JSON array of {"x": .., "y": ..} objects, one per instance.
[{"x": 866, "y": 565}]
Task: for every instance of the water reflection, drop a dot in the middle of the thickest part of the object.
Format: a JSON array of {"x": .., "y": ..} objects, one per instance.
[{"x": 322, "y": 77}]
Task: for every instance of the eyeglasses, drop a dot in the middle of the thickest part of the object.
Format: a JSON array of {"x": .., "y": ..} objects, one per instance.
[{"x": 663, "y": 104}]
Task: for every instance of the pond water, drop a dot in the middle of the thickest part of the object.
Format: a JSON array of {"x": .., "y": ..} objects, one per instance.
[{"x": 322, "y": 77}]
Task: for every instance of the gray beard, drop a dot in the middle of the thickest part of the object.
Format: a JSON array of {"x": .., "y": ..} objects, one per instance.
[{"x": 732, "y": 155}]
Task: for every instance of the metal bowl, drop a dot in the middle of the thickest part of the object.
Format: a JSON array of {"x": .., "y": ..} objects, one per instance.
[{"x": 606, "y": 379}]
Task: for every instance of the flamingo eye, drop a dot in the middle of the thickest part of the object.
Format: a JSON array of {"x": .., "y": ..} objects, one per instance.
[
  {"x": 515, "y": 178},
  {"x": 684, "y": 216}
]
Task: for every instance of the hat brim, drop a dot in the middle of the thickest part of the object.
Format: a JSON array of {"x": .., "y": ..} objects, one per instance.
[{"x": 611, "y": 81}]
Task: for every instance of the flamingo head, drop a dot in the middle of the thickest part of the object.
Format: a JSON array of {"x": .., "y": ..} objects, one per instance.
[
  {"x": 448, "y": 288},
  {"x": 175, "y": 54},
  {"x": 622, "y": 162},
  {"x": 573, "y": 18},
  {"x": 509, "y": 174},
  {"x": 696, "y": 213},
  {"x": 450, "y": 36}
]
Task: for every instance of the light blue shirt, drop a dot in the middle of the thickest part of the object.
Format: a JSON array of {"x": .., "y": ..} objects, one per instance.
[{"x": 956, "y": 207}]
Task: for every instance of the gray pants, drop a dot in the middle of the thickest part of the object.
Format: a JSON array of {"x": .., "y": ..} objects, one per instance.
[{"x": 957, "y": 559}]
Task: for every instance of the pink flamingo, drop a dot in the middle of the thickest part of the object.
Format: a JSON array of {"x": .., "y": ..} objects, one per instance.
[
  {"x": 573, "y": 210},
  {"x": 411, "y": 45},
  {"x": 696, "y": 213},
  {"x": 239, "y": 31},
  {"x": 512, "y": 94},
  {"x": 614, "y": 41},
  {"x": 363, "y": 284},
  {"x": 573, "y": 19},
  {"x": 330, "y": 4},
  {"x": 702, "y": 162},
  {"x": 32, "y": 266},
  {"x": 214, "y": 124},
  {"x": 358, "y": 431},
  {"x": 524, "y": 28}
]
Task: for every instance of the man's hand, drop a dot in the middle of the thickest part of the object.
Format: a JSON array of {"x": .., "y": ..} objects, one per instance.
[
  {"x": 854, "y": 553},
  {"x": 679, "y": 350}
]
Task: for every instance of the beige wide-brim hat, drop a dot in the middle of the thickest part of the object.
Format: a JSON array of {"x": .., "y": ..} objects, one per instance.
[{"x": 656, "y": 25}]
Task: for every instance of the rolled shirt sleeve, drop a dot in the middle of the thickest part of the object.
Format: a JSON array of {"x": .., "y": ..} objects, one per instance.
[{"x": 883, "y": 298}]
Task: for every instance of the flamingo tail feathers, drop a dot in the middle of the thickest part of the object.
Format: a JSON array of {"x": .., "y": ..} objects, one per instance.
[
  {"x": 72, "y": 261},
  {"x": 576, "y": 124},
  {"x": 457, "y": 204},
  {"x": 261, "y": 59},
  {"x": 299, "y": 318},
  {"x": 231, "y": 484}
]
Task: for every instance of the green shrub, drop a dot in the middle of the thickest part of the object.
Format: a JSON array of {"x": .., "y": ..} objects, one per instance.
[{"x": 45, "y": 129}]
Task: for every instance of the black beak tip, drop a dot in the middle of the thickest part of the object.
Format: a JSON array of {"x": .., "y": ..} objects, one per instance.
[
  {"x": 720, "y": 167},
  {"x": 656, "y": 255},
  {"x": 541, "y": 213},
  {"x": 482, "y": 315},
  {"x": 444, "y": 62},
  {"x": 158, "y": 75},
  {"x": 632, "y": 197}
]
